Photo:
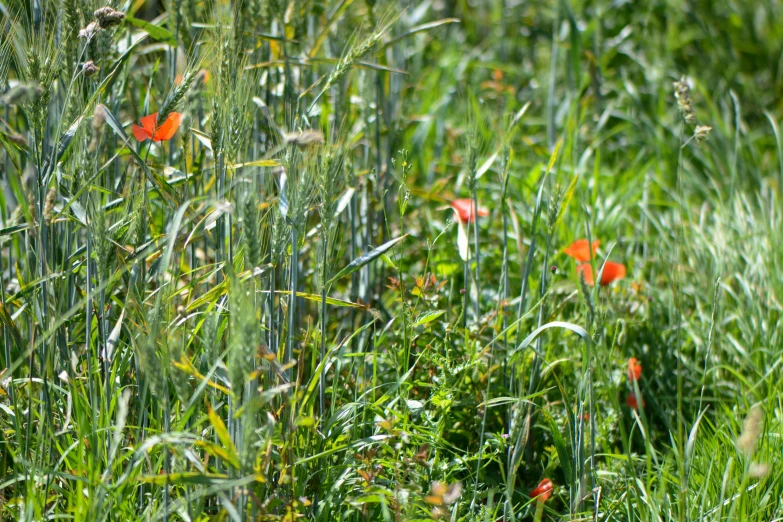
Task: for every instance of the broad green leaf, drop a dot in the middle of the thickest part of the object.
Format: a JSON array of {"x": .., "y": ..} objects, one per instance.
[
  {"x": 428, "y": 317},
  {"x": 562, "y": 448},
  {"x": 222, "y": 433},
  {"x": 8, "y": 141},
  {"x": 691, "y": 444},
  {"x": 487, "y": 164},
  {"x": 257, "y": 163},
  {"x": 114, "y": 336},
  {"x": 362, "y": 260},
  {"x": 422, "y": 28},
  {"x": 202, "y": 137},
  {"x": 329, "y": 300},
  {"x": 9, "y": 231},
  {"x": 209, "y": 296},
  {"x": 342, "y": 203},
  {"x": 185, "y": 477},
  {"x": 157, "y": 33},
  {"x": 218, "y": 452},
  {"x": 187, "y": 367},
  {"x": 172, "y": 239},
  {"x": 388, "y": 262},
  {"x": 581, "y": 332},
  {"x": 527, "y": 399}
]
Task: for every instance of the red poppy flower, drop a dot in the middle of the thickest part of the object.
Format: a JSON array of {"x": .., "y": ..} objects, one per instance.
[
  {"x": 150, "y": 131},
  {"x": 580, "y": 250},
  {"x": 633, "y": 402},
  {"x": 543, "y": 491},
  {"x": 634, "y": 369},
  {"x": 612, "y": 272},
  {"x": 464, "y": 210}
]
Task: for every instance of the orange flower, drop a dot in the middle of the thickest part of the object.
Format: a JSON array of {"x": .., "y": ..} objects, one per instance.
[
  {"x": 580, "y": 250},
  {"x": 150, "y": 131},
  {"x": 543, "y": 491},
  {"x": 464, "y": 210},
  {"x": 612, "y": 272},
  {"x": 634, "y": 369},
  {"x": 633, "y": 402}
]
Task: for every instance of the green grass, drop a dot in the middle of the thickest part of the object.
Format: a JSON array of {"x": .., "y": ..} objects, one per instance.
[{"x": 275, "y": 315}]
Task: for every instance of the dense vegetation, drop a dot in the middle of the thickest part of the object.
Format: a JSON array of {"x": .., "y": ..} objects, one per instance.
[{"x": 333, "y": 260}]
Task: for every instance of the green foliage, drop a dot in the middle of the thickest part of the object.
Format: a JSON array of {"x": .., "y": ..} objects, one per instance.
[{"x": 270, "y": 316}]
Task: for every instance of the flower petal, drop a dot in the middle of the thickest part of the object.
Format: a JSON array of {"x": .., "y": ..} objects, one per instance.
[
  {"x": 580, "y": 250},
  {"x": 140, "y": 133},
  {"x": 634, "y": 369},
  {"x": 632, "y": 401},
  {"x": 464, "y": 210},
  {"x": 169, "y": 127},
  {"x": 587, "y": 272},
  {"x": 612, "y": 272},
  {"x": 543, "y": 490},
  {"x": 148, "y": 122}
]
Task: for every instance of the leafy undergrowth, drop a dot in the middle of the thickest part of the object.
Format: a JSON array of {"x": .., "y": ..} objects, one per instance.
[{"x": 335, "y": 260}]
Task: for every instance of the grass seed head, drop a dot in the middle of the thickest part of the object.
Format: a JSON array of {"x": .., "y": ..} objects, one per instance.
[
  {"x": 178, "y": 377},
  {"x": 108, "y": 17},
  {"x": 89, "y": 68},
  {"x": 554, "y": 207},
  {"x": 176, "y": 96},
  {"x": 89, "y": 31},
  {"x": 751, "y": 430},
  {"x": 98, "y": 120},
  {"x": 701, "y": 133},
  {"x": 304, "y": 139},
  {"x": 759, "y": 470},
  {"x": 682, "y": 92},
  {"x": 69, "y": 13},
  {"x": 245, "y": 337},
  {"x": 22, "y": 94},
  {"x": 51, "y": 197}
]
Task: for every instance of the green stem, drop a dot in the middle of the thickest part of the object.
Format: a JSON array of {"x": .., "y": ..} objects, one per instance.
[
  {"x": 322, "y": 376},
  {"x": 289, "y": 345}
]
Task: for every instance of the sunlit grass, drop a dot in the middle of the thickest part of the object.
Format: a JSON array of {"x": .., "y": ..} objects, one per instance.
[{"x": 346, "y": 273}]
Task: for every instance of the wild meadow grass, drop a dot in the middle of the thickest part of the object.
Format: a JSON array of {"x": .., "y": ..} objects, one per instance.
[{"x": 377, "y": 260}]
